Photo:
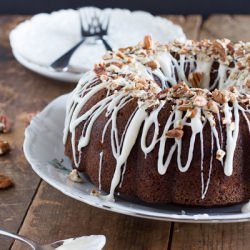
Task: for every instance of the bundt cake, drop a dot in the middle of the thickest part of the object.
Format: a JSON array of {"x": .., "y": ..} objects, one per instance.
[{"x": 165, "y": 123}]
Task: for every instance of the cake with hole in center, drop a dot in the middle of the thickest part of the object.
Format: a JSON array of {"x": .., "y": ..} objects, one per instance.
[{"x": 165, "y": 123}]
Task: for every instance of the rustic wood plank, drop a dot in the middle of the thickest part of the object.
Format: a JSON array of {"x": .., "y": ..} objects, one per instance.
[
  {"x": 234, "y": 27},
  {"x": 216, "y": 236},
  {"x": 190, "y": 24},
  {"x": 72, "y": 218},
  {"x": 211, "y": 236},
  {"x": 20, "y": 91},
  {"x": 54, "y": 216}
]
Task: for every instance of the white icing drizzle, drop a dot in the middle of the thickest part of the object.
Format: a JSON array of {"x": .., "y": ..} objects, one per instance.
[
  {"x": 204, "y": 191},
  {"x": 232, "y": 135},
  {"x": 122, "y": 84},
  {"x": 100, "y": 171}
]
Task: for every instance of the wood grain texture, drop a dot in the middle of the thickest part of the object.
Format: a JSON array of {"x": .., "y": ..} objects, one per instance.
[
  {"x": 20, "y": 91},
  {"x": 216, "y": 236},
  {"x": 54, "y": 216},
  {"x": 234, "y": 27},
  {"x": 211, "y": 236}
]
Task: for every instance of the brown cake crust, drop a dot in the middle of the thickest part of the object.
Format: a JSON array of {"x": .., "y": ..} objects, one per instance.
[{"x": 142, "y": 180}]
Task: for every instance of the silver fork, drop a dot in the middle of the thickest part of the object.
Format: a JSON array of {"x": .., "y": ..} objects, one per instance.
[
  {"x": 94, "y": 29},
  {"x": 33, "y": 245}
]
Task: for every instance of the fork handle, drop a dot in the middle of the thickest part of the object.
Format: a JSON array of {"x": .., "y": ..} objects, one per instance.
[
  {"x": 106, "y": 44},
  {"x": 63, "y": 61},
  {"x": 20, "y": 238}
]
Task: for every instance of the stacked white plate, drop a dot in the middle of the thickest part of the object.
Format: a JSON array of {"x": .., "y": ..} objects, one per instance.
[{"x": 37, "y": 42}]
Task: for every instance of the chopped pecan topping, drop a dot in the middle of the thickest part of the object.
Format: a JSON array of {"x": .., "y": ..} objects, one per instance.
[
  {"x": 219, "y": 49},
  {"x": 233, "y": 89},
  {"x": 100, "y": 69},
  {"x": 127, "y": 49},
  {"x": 121, "y": 55},
  {"x": 108, "y": 55},
  {"x": 5, "y": 125},
  {"x": 175, "y": 133},
  {"x": 220, "y": 154},
  {"x": 180, "y": 90},
  {"x": 183, "y": 51},
  {"x": 191, "y": 113},
  {"x": 247, "y": 84},
  {"x": 117, "y": 64},
  {"x": 95, "y": 192},
  {"x": 212, "y": 106},
  {"x": 240, "y": 66},
  {"x": 152, "y": 64},
  {"x": 220, "y": 97},
  {"x": 195, "y": 78},
  {"x": 200, "y": 101},
  {"x": 230, "y": 47},
  {"x": 147, "y": 42},
  {"x": 5, "y": 182},
  {"x": 163, "y": 94},
  {"x": 248, "y": 60},
  {"x": 4, "y": 147},
  {"x": 239, "y": 52},
  {"x": 185, "y": 106},
  {"x": 74, "y": 176}
]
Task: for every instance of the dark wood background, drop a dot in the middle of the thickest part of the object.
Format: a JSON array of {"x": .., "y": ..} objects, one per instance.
[{"x": 182, "y": 7}]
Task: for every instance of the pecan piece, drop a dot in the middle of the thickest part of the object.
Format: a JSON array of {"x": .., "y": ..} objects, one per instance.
[
  {"x": 185, "y": 106},
  {"x": 4, "y": 147},
  {"x": 200, "y": 101},
  {"x": 195, "y": 78},
  {"x": 239, "y": 52},
  {"x": 95, "y": 192},
  {"x": 213, "y": 107},
  {"x": 163, "y": 94},
  {"x": 175, "y": 133},
  {"x": 152, "y": 64},
  {"x": 247, "y": 84},
  {"x": 117, "y": 64},
  {"x": 147, "y": 42},
  {"x": 100, "y": 69},
  {"x": 74, "y": 176},
  {"x": 5, "y": 125},
  {"x": 240, "y": 66},
  {"x": 220, "y": 97},
  {"x": 220, "y": 154},
  {"x": 230, "y": 47},
  {"x": 5, "y": 182},
  {"x": 191, "y": 113},
  {"x": 219, "y": 50}
]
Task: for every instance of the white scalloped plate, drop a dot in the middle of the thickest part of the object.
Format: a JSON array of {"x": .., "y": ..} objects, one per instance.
[
  {"x": 37, "y": 42},
  {"x": 43, "y": 142}
]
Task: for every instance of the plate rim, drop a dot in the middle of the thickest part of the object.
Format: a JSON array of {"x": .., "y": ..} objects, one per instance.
[
  {"x": 45, "y": 70},
  {"x": 199, "y": 218}
]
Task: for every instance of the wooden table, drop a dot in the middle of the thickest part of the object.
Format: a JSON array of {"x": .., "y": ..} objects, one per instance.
[{"x": 35, "y": 209}]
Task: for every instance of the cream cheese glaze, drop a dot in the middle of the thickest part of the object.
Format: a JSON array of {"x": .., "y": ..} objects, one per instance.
[
  {"x": 92, "y": 242},
  {"x": 203, "y": 82}
]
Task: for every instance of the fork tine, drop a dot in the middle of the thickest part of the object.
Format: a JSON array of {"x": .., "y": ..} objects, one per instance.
[
  {"x": 107, "y": 23},
  {"x": 80, "y": 19}
]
